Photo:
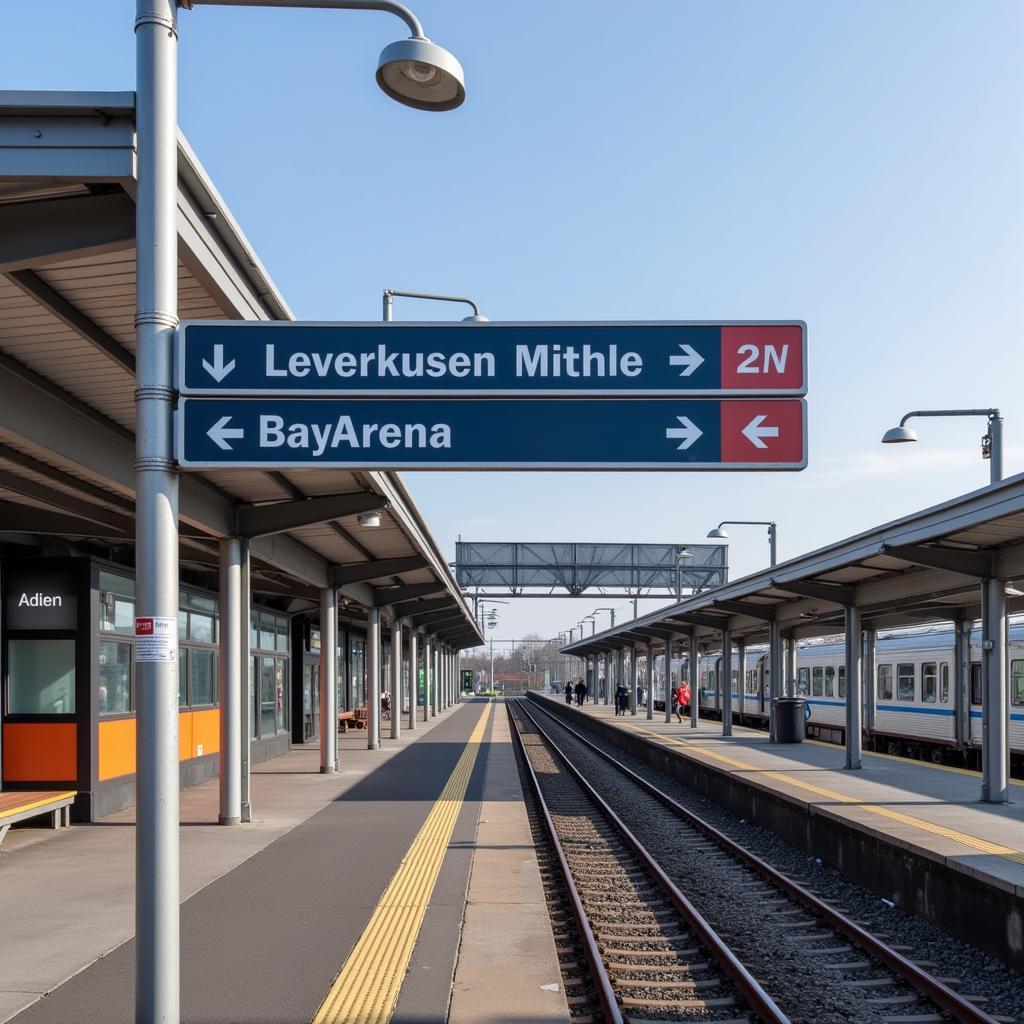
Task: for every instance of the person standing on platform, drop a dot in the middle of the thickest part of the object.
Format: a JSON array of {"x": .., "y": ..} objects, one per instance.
[
  {"x": 581, "y": 689},
  {"x": 682, "y": 696},
  {"x": 621, "y": 699},
  {"x": 568, "y": 692}
]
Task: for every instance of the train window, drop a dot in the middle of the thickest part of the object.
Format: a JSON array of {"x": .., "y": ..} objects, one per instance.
[
  {"x": 905, "y": 680},
  {"x": 943, "y": 683},
  {"x": 976, "y": 683},
  {"x": 929, "y": 682},
  {"x": 803, "y": 682},
  {"x": 817, "y": 681},
  {"x": 1017, "y": 683},
  {"x": 885, "y": 682},
  {"x": 830, "y": 681},
  {"x": 842, "y": 681}
]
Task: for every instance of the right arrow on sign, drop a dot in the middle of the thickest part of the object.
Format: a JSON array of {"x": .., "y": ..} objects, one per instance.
[
  {"x": 690, "y": 360},
  {"x": 754, "y": 432},
  {"x": 219, "y": 433},
  {"x": 686, "y": 435}
]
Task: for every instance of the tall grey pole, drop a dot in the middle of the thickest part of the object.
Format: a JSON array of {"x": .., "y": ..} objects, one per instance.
[
  {"x": 157, "y": 863},
  {"x": 995, "y": 710},
  {"x": 427, "y": 675},
  {"x": 373, "y": 666},
  {"x": 772, "y": 539},
  {"x": 668, "y": 680},
  {"x": 248, "y": 680},
  {"x": 790, "y": 680},
  {"x": 694, "y": 673},
  {"x": 854, "y": 687},
  {"x": 995, "y": 433},
  {"x": 414, "y": 676},
  {"x": 725, "y": 680},
  {"x": 650, "y": 681},
  {"x": 396, "y": 679},
  {"x": 328, "y": 681},
  {"x": 634, "y": 679},
  {"x": 231, "y": 682}
]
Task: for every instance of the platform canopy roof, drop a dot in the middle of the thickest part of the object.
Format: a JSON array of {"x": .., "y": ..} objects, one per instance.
[
  {"x": 67, "y": 379},
  {"x": 926, "y": 567}
]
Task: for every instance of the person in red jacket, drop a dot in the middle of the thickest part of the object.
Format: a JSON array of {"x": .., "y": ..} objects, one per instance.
[{"x": 682, "y": 696}]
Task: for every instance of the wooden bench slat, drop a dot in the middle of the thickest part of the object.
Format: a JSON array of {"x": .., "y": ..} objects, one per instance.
[{"x": 15, "y": 802}]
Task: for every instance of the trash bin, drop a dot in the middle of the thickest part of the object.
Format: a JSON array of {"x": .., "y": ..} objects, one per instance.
[{"x": 789, "y": 719}]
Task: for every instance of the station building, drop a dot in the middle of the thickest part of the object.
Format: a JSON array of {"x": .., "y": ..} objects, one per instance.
[{"x": 67, "y": 380}]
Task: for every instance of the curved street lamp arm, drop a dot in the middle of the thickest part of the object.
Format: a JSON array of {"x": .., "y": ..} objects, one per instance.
[
  {"x": 990, "y": 413},
  {"x": 388, "y": 292},
  {"x": 388, "y": 6},
  {"x": 746, "y": 522}
]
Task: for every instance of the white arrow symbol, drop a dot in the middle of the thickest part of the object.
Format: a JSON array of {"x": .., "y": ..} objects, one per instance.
[
  {"x": 753, "y": 432},
  {"x": 218, "y": 369},
  {"x": 689, "y": 360},
  {"x": 686, "y": 435},
  {"x": 219, "y": 433}
]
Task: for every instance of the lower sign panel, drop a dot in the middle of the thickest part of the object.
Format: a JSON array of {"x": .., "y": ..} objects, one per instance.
[{"x": 399, "y": 433}]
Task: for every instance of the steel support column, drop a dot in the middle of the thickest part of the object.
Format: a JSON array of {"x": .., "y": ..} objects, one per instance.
[
  {"x": 157, "y": 853},
  {"x": 248, "y": 680},
  {"x": 396, "y": 679},
  {"x": 854, "y": 687},
  {"x": 650, "y": 682},
  {"x": 725, "y": 681},
  {"x": 995, "y": 709},
  {"x": 774, "y": 678},
  {"x": 790, "y": 673},
  {"x": 693, "y": 670},
  {"x": 328, "y": 681},
  {"x": 230, "y": 682},
  {"x": 634, "y": 680},
  {"x": 427, "y": 656},
  {"x": 668, "y": 680},
  {"x": 414, "y": 677},
  {"x": 373, "y": 672}
]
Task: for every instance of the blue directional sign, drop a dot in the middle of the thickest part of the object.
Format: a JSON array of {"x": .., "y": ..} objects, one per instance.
[
  {"x": 219, "y": 357},
  {"x": 492, "y": 433}
]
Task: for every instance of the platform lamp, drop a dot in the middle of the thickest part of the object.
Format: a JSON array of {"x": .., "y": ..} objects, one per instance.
[
  {"x": 413, "y": 71},
  {"x": 683, "y": 555},
  {"x": 611, "y": 614},
  {"x": 719, "y": 534},
  {"x": 389, "y": 294},
  {"x": 991, "y": 443}
]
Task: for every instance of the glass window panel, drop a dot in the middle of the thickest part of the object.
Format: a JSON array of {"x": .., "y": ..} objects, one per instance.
[
  {"x": 254, "y": 695},
  {"x": 41, "y": 677},
  {"x": 929, "y": 682},
  {"x": 117, "y": 604},
  {"x": 830, "y": 681},
  {"x": 803, "y": 682},
  {"x": 115, "y": 696},
  {"x": 357, "y": 662},
  {"x": 182, "y": 681},
  {"x": 976, "y": 683},
  {"x": 204, "y": 604},
  {"x": 1017, "y": 682},
  {"x": 253, "y": 627},
  {"x": 818, "y": 681},
  {"x": 268, "y": 696},
  {"x": 842, "y": 681},
  {"x": 905, "y": 678},
  {"x": 885, "y": 682},
  {"x": 282, "y": 635},
  {"x": 202, "y": 673},
  {"x": 266, "y": 632},
  {"x": 200, "y": 627},
  {"x": 280, "y": 675},
  {"x": 943, "y": 683},
  {"x": 182, "y": 624}
]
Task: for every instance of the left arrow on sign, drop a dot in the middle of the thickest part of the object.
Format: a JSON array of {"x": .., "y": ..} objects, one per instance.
[
  {"x": 219, "y": 433},
  {"x": 754, "y": 432},
  {"x": 218, "y": 369},
  {"x": 686, "y": 435}
]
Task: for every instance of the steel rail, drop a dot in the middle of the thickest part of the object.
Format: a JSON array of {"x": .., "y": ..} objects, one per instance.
[
  {"x": 749, "y": 987},
  {"x": 605, "y": 992},
  {"x": 943, "y": 996}
]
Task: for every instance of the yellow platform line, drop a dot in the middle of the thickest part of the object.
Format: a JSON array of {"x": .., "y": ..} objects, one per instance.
[
  {"x": 975, "y": 843},
  {"x": 366, "y": 990}
]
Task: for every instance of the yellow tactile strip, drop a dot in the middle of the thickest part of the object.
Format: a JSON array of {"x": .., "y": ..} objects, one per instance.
[
  {"x": 982, "y": 845},
  {"x": 366, "y": 990}
]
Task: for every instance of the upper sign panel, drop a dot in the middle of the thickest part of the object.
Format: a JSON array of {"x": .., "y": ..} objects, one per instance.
[{"x": 219, "y": 357}]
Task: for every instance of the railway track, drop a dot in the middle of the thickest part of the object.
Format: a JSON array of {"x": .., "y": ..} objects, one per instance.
[{"x": 818, "y": 963}]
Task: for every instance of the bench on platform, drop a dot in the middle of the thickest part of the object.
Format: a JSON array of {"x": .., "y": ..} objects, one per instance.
[
  {"x": 20, "y": 806},
  {"x": 345, "y": 719}
]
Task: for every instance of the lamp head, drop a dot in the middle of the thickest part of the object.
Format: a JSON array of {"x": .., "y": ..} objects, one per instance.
[
  {"x": 717, "y": 534},
  {"x": 684, "y": 555},
  {"x": 421, "y": 74},
  {"x": 476, "y": 318},
  {"x": 899, "y": 435},
  {"x": 369, "y": 519}
]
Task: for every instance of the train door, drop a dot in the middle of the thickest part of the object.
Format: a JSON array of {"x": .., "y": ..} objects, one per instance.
[
  {"x": 976, "y": 691},
  {"x": 716, "y": 675},
  {"x": 760, "y": 671}
]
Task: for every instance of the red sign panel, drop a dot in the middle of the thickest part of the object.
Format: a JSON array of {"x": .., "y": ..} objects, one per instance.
[
  {"x": 763, "y": 358},
  {"x": 765, "y": 430},
  {"x": 144, "y": 626}
]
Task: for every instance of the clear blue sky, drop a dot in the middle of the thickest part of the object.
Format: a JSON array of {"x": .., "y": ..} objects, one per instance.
[{"x": 856, "y": 164}]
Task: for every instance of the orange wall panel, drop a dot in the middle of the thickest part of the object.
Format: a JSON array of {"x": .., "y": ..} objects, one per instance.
[
  {"x": 40, "y": 752},
  {"x": 206, "y": 731},
  {"x": 185, "y": 736},
  {"x": 116, "y": 748}
]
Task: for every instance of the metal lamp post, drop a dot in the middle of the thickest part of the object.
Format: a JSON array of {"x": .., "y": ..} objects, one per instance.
[
  {"x": 390, "y": 293},
  {"x": 991, "y": 443},
  {"x": 611, "y": 614},
  {"x": 719, "y": 534},
  {"x": 413, "y": 71},
  {"x": 683, "y": 555}
]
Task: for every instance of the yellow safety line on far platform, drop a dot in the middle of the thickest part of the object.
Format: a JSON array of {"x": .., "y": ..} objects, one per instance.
[
  {"x": 983, "y": 845},
  {"x": 366, "y": 990}
]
